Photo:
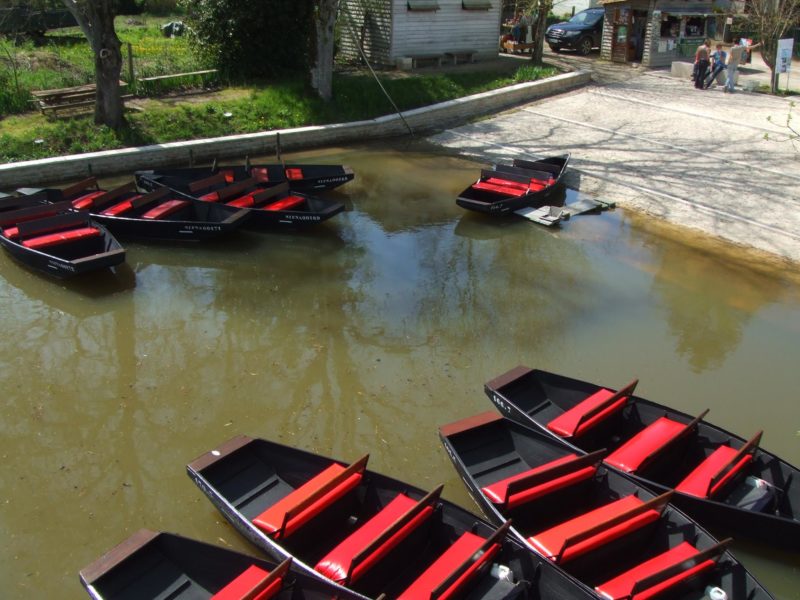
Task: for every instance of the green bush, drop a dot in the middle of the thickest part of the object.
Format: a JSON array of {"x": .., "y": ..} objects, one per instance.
[{"x": 245, "y": 39}]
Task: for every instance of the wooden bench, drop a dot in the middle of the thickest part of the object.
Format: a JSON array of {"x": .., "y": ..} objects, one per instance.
[
  {"x": 159, "y": 78},
  {"x": 72, "y": 99},
  {"x": 464, "y": 56},
  {"x": 419, "y": 60}
]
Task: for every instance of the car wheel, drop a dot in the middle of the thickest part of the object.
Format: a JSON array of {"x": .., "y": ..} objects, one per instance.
[
  {"x": 585, "y": 46},
  {"x": 555, "y": 48}
]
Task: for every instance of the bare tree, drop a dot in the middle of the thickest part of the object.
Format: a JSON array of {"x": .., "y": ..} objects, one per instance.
[
  {"x": 772, "y": 20},
  {"x": 96, "y": 19},
  {"x": 539, "y": 9},
  {"x": 322, "y": 49}
]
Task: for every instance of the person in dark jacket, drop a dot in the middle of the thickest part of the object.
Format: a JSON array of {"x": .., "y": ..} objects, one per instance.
[{"x": 701, "y": 60}]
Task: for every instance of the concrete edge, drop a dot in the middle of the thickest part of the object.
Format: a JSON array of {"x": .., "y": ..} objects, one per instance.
[{"x": 421, "y": 120}]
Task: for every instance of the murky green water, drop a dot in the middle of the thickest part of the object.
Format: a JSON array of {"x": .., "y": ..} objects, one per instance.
[{"x": 362, "y": 335}]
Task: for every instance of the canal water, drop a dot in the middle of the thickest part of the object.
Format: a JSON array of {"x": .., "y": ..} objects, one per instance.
[{"x": 363, "y": 334}]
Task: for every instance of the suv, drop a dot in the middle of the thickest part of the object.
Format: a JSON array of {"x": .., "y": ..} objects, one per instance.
[{"x": 582, "y": 32}]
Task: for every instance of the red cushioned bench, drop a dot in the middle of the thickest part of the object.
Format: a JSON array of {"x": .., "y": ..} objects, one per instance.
[
  {"x": 591, "y": 411},
  {"x": 224, "y": 194},
  {"x": 61, "y": 237},
  {"x": 362, "y": 549},
  {"x": 255, "y": 584},
  {"x": 537, "y": 482},
  {"x": 86, "y": 200},
  {"x": 449, "y": 574},
  {"x": 118, "y": 209},
  {"x": 719, "y": 468},
  {"x": 165, "y": 209},
  {"x": 598, "y": 527},
  {"x": 260, "y": 174},
  {"x": 649, "y": 442},
  {"x": 294, "y": 174},
  {"x": 661, "y": 573},
  {"x": 285, "y": 203},
  {"x": 294, "y": 510}
]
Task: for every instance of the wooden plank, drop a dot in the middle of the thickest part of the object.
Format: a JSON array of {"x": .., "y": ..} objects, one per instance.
[
  {"x": 176, "y": 75},
  {"x": 544, "y": 215}
]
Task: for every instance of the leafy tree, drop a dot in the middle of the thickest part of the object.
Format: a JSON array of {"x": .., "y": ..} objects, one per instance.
[
  {"x": 539, "y": 9},
  {"x": 96, "y": 20},
  {"x": 772, "y": 20},
  {"x": 245, "y": 39}
]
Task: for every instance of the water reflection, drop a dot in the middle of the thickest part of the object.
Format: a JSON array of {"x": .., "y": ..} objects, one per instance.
[{"x": 359, "y": 336}]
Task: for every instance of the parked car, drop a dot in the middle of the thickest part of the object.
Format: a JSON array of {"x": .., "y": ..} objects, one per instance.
[{"x": 582, "y": 32}]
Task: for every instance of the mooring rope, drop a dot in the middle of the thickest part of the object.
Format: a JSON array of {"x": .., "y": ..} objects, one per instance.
[{"x": 349, "y": 21}]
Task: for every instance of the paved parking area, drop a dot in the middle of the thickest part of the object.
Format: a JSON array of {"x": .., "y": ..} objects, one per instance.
[{"x": 716, "y": 162}]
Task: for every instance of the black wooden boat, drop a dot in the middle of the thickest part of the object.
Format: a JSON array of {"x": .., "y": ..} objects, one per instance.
[
  {"x": 596, "y": 523},
  {"x": 53, "y": 239},
  {"x": 721, "y": 479},
  {"x": 157, "y": 215},
  {"x": 522, "y": 184},
  {"x": 366, "y": 531},
  {"x": 155, "y": 566},
  {"x": 301, "y": 178},
  {"x": 275, "y": 205}
]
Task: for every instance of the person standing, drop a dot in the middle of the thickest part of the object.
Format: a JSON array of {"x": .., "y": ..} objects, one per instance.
[
  {"x": 701, "y": 59},
  {"x": 718, "y": 60},
  {"x": 734, "y": 58}
]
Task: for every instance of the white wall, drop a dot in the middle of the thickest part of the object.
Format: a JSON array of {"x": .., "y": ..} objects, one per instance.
[
  {"x": 564, "y": 7},
  {"x": 447, "y": 29}
]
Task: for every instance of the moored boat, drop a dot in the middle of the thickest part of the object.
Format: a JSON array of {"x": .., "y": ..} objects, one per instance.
[
  {"x": 55, "y": 240},
  {"x": 273, "y": 206},
  {"x": 368, "y": 532},
  {"x": 300, "y": 177},
  {"x": 156, "y": 565},
  {"x": 599, "y": 525},
  {"x": 157, "y": 215},
  {"x": 721, "y": 479},
  {"x": 510, "y": 187}
]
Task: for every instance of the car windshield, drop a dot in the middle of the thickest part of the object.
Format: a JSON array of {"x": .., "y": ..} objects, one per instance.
[{"x": 586, "y": 18}]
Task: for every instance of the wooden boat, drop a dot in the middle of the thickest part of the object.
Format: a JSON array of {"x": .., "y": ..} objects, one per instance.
[
  {"x": 522, "y": 184},
  {"x": 368, "y": 532},
  {"x": 722, "y": 480},
  {"x": 301, "y": 178},
  {"x": 275, "y": 205},
  {"x": 157, "y": 215},
  {"x": 53, "y": 239},
  {"x": 151, "y": 565},
  {"x": 597, "y": 524}
]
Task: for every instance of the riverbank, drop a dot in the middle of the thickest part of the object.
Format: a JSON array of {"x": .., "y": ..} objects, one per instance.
[{"x": 717, "y": 163}]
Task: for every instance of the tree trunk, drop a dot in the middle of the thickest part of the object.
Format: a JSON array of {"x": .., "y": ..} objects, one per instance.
[
  {"x": 96, "y": 19},
  {"x": 322, "y": 57},
  {"x": 543, "y": 8}
]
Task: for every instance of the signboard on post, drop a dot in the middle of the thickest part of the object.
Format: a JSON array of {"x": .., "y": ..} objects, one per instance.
[{"x": 783, "y": 60}]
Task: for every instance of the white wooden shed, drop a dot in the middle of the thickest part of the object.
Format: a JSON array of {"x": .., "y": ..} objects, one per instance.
[{"x": 408, "y": 33}]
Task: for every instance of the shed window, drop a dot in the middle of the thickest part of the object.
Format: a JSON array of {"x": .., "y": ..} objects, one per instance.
[
  {"x": 423, "y": 5},
  {"x": 476, "y": 4}
]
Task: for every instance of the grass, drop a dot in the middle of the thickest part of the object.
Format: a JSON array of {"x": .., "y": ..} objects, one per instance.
[{"x": 64, "y": 59}]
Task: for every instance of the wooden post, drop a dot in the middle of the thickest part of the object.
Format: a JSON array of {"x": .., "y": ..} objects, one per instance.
[{"x": 130, "y": 64}]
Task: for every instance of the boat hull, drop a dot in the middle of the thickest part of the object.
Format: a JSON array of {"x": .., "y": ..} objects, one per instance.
[{"x": 533, "y": 397}]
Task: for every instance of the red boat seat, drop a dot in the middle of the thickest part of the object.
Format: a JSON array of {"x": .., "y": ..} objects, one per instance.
[
  {"x": 294, "y": 174},
  {"x": 622, "y": 586},
  {"x": 245, "y": 201},
  {"x": 273, "y": 520},
  {"x": 698, "y": 482},
  {"x": 210, "y": 197},
  {"x": 285, "y": 203},
  {"x": 118, "y": 209},
  {"x": 260, "y": 174},
  {"x": 165, "y": 209},
  {"x": 337, "y": 564},
  {"x": 247, "y": 586},
  {"x": 229, "y": 175},
  {"x": 61, "y": 237},
  {"x": 498, "y": 492},
  {"x": 444, "y": 566},
  {"x": 86, "y": 200},
  {"x": 569, "y": 424},
  {"x": 551, "y": 542},
  {"x": 632, "y": 454},
  {"x": 11, "y": 232}
]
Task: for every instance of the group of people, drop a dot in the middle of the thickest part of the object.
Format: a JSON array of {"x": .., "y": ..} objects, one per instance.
[{"x": 717, "y": 61}]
